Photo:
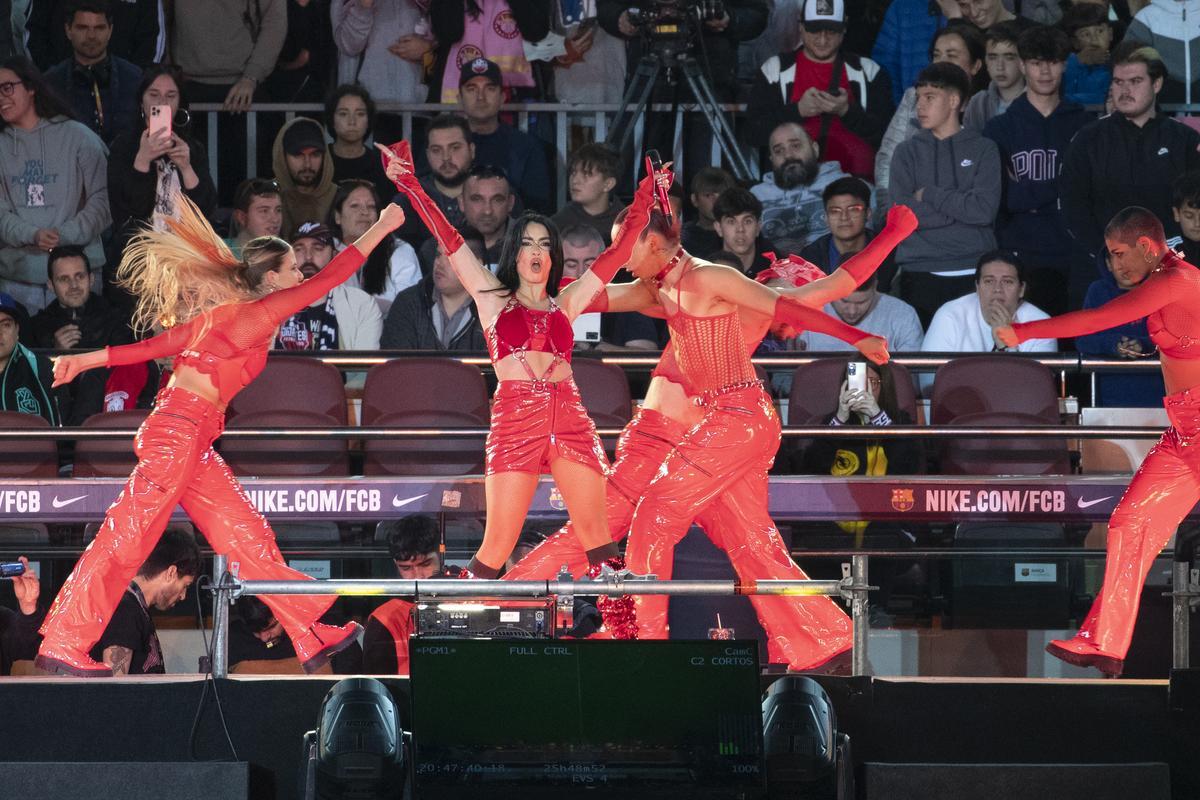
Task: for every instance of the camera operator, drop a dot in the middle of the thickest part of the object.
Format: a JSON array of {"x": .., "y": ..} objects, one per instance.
[{"x": 714, "y": 28}]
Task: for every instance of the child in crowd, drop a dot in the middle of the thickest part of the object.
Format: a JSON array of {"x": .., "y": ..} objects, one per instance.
[
  {"x": 592, "y": 171},
  {"x": 1185, "y": 207},
  {"x": 1089, "y": 68}
]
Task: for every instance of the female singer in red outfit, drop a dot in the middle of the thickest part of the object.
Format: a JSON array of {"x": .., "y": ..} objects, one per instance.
[
  {"x": 1167, "y": 484},
  {"x": 538, "y": 421},
  {"x": 221, "y": 314}
]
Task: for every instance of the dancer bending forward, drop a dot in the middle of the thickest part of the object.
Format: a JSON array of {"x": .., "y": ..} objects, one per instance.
[
  {"x": 802, "y": 632},
  {"x": 1167, "y": 484},
  {"x": 221, "y": 314}
]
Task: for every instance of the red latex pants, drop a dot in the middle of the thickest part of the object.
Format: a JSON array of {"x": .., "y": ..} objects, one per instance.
[
  {"x": 1164, "y": 489},
  {"x": 176, "y": 465},
  {"x": 801, "y": 632}
]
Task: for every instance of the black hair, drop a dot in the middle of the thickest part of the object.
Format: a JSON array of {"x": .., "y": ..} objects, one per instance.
[
  {"x": 582, "y": 234},
  {"x": 506, "y": 272},
  {"x": 445, "y": 121},
  {"x": 349, "y": 90},
  {"x": 47, "y": 103},
  {"x": 1005, "y": 257},
  {"x": 1132, "y": 51},
  {"x": 378, "y": 263},
  {"x": 153, "y": 73},
  {"x": 254, "y": 613},
  {"x": 1084, "y": 15},
  {"x": 176, "y": 547},
  {"x": 735, "y": 201},
  {"x": 66, "y": 251},
  {"x": 712, "y": 179},
  {"x": 1007, "y": 32},
  {"x": 595, "y": 157},
  {"x": 1186, "y": 190},
  {"x": 1132, "y": 223},
  {"x": 88, "y": 7},
  {"x": 944, "y": 75},
  {"x": 856, "y": 187},
  {"x": 483, "y": 172},
  {"x": 1043, "y": 43},
  {"x": 410, "y": 537}
]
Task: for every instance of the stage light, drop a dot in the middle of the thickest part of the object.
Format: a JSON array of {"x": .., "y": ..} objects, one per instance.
[
  {"x": 800, "y": 740},
  {"x": 357, "y": 750}
]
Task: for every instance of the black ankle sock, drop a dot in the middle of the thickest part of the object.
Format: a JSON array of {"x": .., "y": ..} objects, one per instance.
[
  {"x": 482, "y": 570},
  {"x": 598, "y": 555}
]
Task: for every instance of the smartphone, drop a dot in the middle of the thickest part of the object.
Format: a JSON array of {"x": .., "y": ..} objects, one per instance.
[
  {"x": 856, "y": 376},
  {"x": 160, "y": 120},
  {"x": 11, "y": 569}
]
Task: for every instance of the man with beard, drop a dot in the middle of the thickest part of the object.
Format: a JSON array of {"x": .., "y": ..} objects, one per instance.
[
  {"x": 450, "y": 154},
  {"x": 304, "y": 171},
  {"x": 793, "y": 212},
  {"x": 487, "y": 202},
  {"x": 78, "y": 319},
  {"x": 345, "y": 319}
]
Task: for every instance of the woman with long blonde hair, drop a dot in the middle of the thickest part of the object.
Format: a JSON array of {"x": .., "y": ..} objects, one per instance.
[{"x": 220, "y": 314}]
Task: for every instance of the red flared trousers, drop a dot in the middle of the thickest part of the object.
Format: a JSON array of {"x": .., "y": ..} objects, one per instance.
[
  {"x": 1163, "y": 490},
  {"x": 176, "y": 465},
  {"x": 801, "y": 632}
]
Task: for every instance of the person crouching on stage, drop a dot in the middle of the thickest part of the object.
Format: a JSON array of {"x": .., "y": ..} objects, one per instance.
[
  {"x": 221, "y": 314},
  {"x": 537, "y": 418},
  {"x": 1166, "y": 291}
]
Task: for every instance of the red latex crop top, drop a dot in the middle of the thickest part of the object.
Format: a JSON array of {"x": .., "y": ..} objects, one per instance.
[
  {"x": 1169, "y": 299},
  {"x": 519, "y": 330},
  {"x": 230, "y": 342}
]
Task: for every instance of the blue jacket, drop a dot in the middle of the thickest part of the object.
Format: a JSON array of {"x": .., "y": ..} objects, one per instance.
[
  {"x": 118, "y": 81},
  {"x": 1086, "y": 83},
  {"x": 1033, "y": 149},
  {"x": 902, "y": 46},
  {"x": 1123, "y": 389}
]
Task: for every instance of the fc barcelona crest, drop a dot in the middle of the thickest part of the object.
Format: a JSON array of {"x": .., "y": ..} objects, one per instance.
[{"x": 902, "y": 499}]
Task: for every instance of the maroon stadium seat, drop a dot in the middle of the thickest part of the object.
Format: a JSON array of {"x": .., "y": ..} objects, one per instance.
[
  {"x": 1004, "y": 456},
  {"x": 286, "y": 457},
  {"x": 423, "y": 384},
  {"x": 27, "y": 458},
  {"x": 425, "y": 456},
  {"x": 994, "y": 382},
  {"x": 294, "y": 383},
  {"x": 108, "y": 458}
]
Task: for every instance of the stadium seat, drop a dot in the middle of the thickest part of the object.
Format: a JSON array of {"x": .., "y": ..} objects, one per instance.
[
  {"x": 1007, "y": 455},
  {"x": 605, "y": 392},
  {"x": 293, "y": 383},
  {"x": 426, "y": 456},
  {"x": 108, "y": 458},
  {"x": 26, "y": 458},
  {"x": 423, "y": 385},
  {"x": 993, "y": 382},
  {"x": 286, "y": 457}
]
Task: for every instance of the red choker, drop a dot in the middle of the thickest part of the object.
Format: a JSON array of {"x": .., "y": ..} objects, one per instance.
[{"x": 662, "y": 273}]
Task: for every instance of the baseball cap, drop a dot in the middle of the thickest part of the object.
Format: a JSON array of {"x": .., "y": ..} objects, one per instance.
[
  {"x": 824, "y": 15},
  {"x": 8, "y": 305},
  {"x": 480, "y": 67},
  {"x": 303, "y": 134},
  {"x": 314, "y": 230}
]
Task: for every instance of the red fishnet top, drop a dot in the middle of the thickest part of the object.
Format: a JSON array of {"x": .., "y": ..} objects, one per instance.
[
  {"x": 1169, "y": 299},
  {"x": 230, "y": 342}
]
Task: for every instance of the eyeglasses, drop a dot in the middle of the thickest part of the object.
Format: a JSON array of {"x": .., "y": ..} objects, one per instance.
[
  {"x": 8, "y": 87},
  {"x": 848, "y": 211}
]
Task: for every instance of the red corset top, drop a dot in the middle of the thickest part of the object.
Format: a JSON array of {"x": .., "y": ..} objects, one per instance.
[
  {"x": 710, "y": 352},
  {"x": 519, "y": 330}
]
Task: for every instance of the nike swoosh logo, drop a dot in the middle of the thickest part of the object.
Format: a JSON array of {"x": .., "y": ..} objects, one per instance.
[
  {"x": 62, "y": 503},
  {"x": 398, "y": 503},
  {"x": 1089, "y": 503}
]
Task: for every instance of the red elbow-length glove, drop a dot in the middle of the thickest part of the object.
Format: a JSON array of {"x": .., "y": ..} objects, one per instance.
[
  {"x": 803, "y": 318},
  {"x": 901, "y": 222},
  {"x": 446, "y": 234},
  {"x": 617, "y": 254}
]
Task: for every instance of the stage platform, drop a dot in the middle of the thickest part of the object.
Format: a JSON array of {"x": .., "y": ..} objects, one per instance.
[{"x": 890, "y": 721}]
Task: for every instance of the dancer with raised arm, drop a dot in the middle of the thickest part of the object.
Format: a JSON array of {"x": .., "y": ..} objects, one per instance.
[
  {"x": 221, "y": 314},
  {"x": 801, "y": 632},
  {"x": 537, "y": 420},
  {"x": 1167, "y": 485}
]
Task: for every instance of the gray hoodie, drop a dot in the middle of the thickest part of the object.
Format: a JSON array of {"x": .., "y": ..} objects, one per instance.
[
  {"x": 54, "y": 176},
  {"x": 960, "y": 176}
]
